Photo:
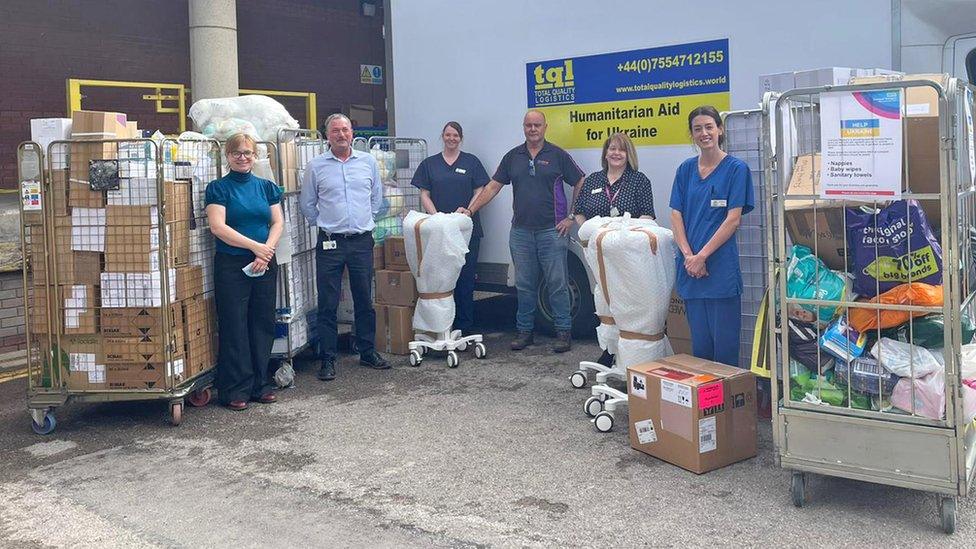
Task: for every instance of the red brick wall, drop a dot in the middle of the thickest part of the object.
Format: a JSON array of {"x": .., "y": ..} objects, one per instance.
[
  {"x": 12, "y": 332},
  {"x": 299, "y": 45}
]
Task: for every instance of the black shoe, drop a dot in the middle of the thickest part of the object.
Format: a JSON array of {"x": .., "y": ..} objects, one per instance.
[
  {"x": 563, "y": 342},
  {"x": 523, "y": 340},
  {"x": 374, "y": 360},
  {"x": 606, "y": 359},
  {"x": 327, "y": 371}
]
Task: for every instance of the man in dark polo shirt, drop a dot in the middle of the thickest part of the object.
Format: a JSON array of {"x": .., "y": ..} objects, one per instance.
[{"x": 538, "y": 171}]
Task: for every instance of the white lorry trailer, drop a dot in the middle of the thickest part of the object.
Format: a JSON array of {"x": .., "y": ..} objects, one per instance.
[{"x": 467, "y": 61}]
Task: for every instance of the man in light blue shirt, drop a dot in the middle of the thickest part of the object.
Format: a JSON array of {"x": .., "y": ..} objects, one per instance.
[{"x": 341, "y": 192}]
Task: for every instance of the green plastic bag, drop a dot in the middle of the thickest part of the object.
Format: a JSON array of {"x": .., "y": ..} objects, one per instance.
[
  {"x": 928, "y": 331},
  {"x": 810, "y": 278}
]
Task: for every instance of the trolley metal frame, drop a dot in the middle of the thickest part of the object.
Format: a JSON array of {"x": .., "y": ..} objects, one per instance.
[
  {"x": 47, "y": 385},
  {"x": 308, "y": 144},
  {"x": 908, "y": 451}
]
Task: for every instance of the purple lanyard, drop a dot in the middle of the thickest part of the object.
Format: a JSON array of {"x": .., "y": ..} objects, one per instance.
[{"x": 606, "y": 190}]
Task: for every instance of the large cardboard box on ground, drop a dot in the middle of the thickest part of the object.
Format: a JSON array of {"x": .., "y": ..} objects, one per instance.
[
  {"x": 395, "y": 254},
  {"x": 394, "y": 329},
  {"x": 677, "y": 329},
  {"x": 396, "y": 288},
  {"x": 693, "y": 413}
]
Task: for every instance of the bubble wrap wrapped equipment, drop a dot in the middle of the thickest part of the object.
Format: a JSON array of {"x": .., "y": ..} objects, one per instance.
[
  {"x": 607, "y": 332},
  {"x": 637, "y": 273},
  {"x": 436, "y": 246}
]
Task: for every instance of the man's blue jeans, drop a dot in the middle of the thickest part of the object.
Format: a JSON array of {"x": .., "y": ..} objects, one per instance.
[{"x": 534, "y": 253}]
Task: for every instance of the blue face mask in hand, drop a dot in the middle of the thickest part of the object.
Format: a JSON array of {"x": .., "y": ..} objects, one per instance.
[{"x": 249, "y": 270}]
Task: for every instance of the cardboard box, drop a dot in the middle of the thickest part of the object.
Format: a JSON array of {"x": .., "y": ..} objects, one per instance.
[
  {"x": 379, "y": 260},
  {"x": 80, "y": 195},
  {"x": 70, "y": 267},
  {"x": 395, "y": 254},
  {"x": 136, "y": 290},
  {"x": 288, "y": 159},
  {"x": 830, "y": 76},
  {"x": 679, "y": 334},
  {"x": 85, "y": 371},
  {"x": 200, "y": 321},
  {"x": 394, "y": 329},
  {"x": 98, "y": 125},
  {"x": 693, "y": 413},
  {"x": 920, "y": 101},
  {"x": 823, "y": 227},
  {"x": 778, "y": 82},
  {"x": 141, "y": 349},
  {"x": 46, "y": 130},
  {"x": 145, "y": 376},
  {"x": 189, "y": 281},
  {"x": 140, "y": 322},
  {"x": 75, "y": 310},
  {"x": 396, "y": 288}
]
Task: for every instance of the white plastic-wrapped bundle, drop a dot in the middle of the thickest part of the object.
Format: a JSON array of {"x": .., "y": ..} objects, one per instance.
[
  {"x": 436, "y": 246},
  {"x": 256, "y": 115},
  {"x": 637, "y": 270},
  {"x": 386, "y": 162},
  {"x": 607, "y": 331}
]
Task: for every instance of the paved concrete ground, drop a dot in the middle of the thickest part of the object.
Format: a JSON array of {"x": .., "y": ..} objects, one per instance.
[{"x": 494, "y": 453}]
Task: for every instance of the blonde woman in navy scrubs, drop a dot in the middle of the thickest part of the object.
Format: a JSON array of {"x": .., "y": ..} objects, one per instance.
[
  {"x": 447, "y": 182},
  {"x": 711, "y": 193}
]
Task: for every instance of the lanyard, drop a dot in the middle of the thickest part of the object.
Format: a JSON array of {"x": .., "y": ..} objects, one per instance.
[{"x": 606, "y": 190}]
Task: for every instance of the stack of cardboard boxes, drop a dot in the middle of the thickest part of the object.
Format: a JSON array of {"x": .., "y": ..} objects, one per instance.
[
  {"x": 396, "y": 296},
  {"x": 99, "y": 284}
]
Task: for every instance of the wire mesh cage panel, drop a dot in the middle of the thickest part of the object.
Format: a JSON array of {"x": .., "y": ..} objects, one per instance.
[{"x": 398, "y": 159}]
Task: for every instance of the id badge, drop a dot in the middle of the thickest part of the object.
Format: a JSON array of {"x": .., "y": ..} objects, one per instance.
[
  {"x": 596, "y": 191},
  {"x": 716, "y": 203},
  {"x": 329, "y": 245}
]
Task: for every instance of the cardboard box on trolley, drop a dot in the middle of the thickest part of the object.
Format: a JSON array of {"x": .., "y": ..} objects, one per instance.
[
  {"x": 395, "y": 254},
  {"x": 693, "y": 413},
  {"x": 74, "y": 311},
  {"x": 200, "y": 325},
  {"x": 396, "y": 288}
]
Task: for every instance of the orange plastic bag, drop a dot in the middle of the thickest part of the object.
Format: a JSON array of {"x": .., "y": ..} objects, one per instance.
[{"x": 913, "y": 293}]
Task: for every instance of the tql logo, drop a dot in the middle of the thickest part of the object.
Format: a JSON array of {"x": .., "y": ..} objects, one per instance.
[{"x": 554, "y": 75}]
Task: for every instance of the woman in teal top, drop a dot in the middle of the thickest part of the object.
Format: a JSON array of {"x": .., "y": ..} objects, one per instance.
[
  {"x": 244, "y": 213},
  {"x": 710, "y": 195}
]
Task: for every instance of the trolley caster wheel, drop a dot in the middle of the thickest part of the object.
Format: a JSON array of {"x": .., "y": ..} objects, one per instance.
[
  {"x": 416, "y": 357},
  {"x": 200, "y": 397},
  {"x": 593, "y": 406},
  {"x": 603, "y": 422},
  {"x": 462, "y": 346},
  {"x": 798, "y": 488},
  {"x": 578, "y": 379},
  {"x": 423, "y": 351},
  {"x": 47, "y": 427},
  {"x": 480, "y": 351},
  {"x": 947, "y": 514},
  {"x": 176, "y": 412},
  {"x": 452, "y": 359}
]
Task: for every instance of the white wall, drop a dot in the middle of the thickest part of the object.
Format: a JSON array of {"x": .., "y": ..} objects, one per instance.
[
  {"x": 465, "y": 60},
  {"x": 925, "y": 26}
]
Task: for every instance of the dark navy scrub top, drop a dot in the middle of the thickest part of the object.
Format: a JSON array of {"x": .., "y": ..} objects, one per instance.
[{"x": 451, "y": 186}]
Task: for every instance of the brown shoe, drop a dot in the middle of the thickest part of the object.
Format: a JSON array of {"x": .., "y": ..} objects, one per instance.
[
  {"x": 237, "y": 405},
  {"x": 523, "y": 340},
  {"x": 267, "y": 399},
  {"x": 563, "y": 343}
]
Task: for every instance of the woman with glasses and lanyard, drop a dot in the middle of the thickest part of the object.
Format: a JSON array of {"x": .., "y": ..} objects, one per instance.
[
  {"x": 448, "y": 181},
  {"x": 617, "y": 189},
  {"x": 244, "y": 213}
]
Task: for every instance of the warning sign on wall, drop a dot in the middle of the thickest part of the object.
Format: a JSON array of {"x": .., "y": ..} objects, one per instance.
[{"x": 370, "y": 74}]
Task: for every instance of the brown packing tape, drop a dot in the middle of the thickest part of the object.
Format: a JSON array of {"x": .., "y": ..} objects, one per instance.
[
  {"x": 608, "y": 320},
  {"x": 642, "y": 337},
  {"x": 436, "y": 295},
  {"x": 420, "y": 245},
  {"x": 603, "y": 270}
]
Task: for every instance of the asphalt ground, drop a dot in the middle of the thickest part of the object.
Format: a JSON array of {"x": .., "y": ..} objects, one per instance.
[{"x": 496, "y": 452}]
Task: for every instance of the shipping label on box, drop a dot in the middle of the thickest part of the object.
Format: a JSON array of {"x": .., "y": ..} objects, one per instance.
[
  {"x": 697, "y": 414},
  {"x": 396, "y": 288}
]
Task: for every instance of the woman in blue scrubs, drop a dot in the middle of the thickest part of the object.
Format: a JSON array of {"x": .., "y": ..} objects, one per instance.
[
  {"x": 711, "y": 193},
  {"x": 447, "y": 182}
]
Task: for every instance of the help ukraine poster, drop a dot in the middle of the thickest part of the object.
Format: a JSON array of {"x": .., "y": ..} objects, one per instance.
[
  {"x": 860, "y": 140},
  {"x": 646, "y": 93}
]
